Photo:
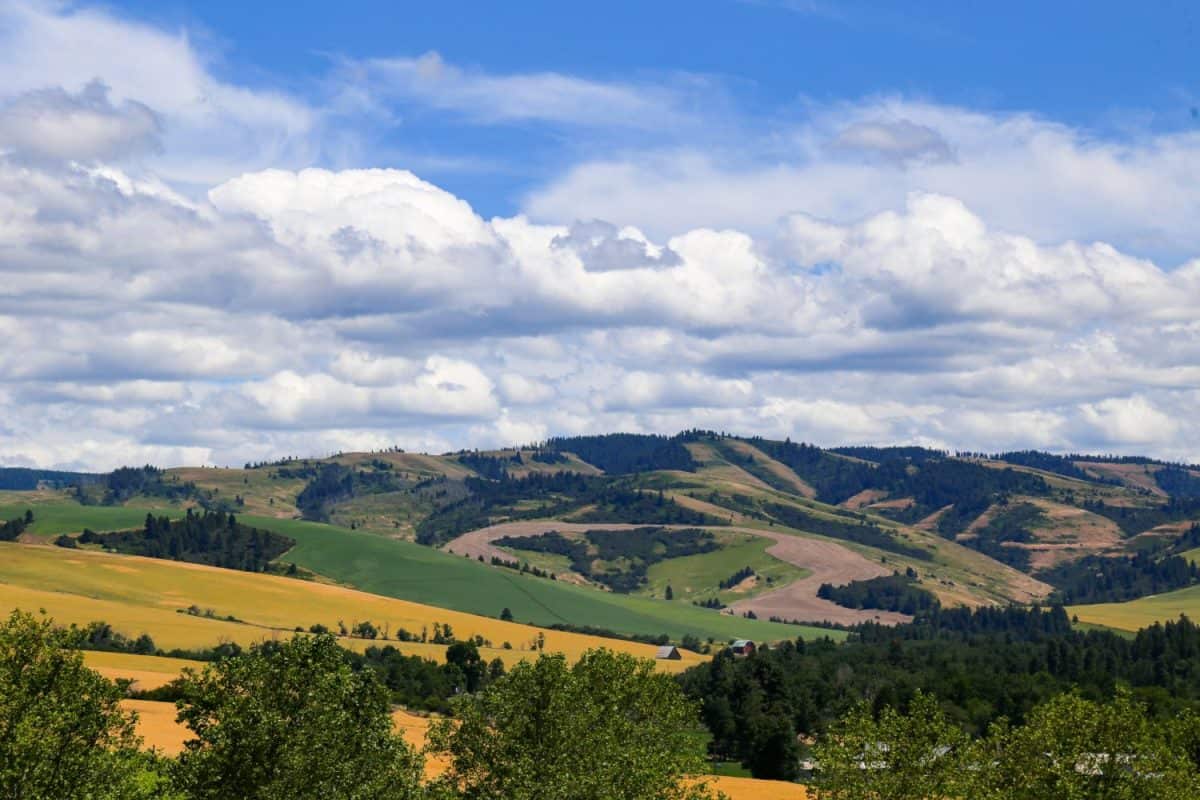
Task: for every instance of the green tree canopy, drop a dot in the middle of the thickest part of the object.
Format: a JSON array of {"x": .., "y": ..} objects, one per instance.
[
  {"x": 292, "y": 721},
  {"x": 1071, "y": 748},
  {"x": 608, "y": 728},
  {"x": 62, "y": 732},
  {"x": 895, "y": 757}
]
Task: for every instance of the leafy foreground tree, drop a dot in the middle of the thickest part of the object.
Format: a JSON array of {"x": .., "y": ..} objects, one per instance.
[
  {"x": 1074, "y": 748},
  {"x": 62, "y": 732},
  {"x": 1069, "y": 749},
  {"x": 895, "y": 757},
  {"x": 607, "y": 728},
  {"x": 292, "y": 721}
]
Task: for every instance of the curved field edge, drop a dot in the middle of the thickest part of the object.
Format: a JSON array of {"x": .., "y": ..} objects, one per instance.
[
  {"x": 424, "y": 575},
  {"x": 141, "y": 595},
  {"x": 1134, "y": 615}
]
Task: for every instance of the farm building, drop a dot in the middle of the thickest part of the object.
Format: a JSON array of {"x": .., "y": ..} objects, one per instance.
[
  {"x": 670, "y": 652},
  {"x": 742, "y": 648}
]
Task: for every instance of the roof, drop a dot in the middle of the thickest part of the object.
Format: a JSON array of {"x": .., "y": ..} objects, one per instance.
[
  {"x": 668, "y": 651},
  {"x": 741, "y": 643}
]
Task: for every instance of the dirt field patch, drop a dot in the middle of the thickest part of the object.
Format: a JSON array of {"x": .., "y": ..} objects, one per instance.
[{"x": 863, "y": 499}]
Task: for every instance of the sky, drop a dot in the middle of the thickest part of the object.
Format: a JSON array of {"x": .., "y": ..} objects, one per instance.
[{"x": 237, "y": 231}]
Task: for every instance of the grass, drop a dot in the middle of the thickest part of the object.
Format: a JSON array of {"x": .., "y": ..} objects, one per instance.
[
  {"x": 1137, "y": 614},
  {"x": 142, "y": 595},
  {"x": 424, "y": 575},
  {"x": 699, "y": 576},
  {"x": 1192, "y": 556},
  {"x": 53, "y": 514},
  {"x": 261, "y": 493}
]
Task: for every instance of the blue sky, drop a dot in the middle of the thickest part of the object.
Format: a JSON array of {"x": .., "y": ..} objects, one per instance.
[
  {"x": 231, "y": 232},
  {"x": 1098, "y": 65}
]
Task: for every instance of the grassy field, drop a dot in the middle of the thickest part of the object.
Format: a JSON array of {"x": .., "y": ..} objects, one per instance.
[
  {"x": 424, "y": 575},
  {"x": 700, "y": 575},
  {"x": 261, "y": 493},
  {"x": 141, "y": 595},
  {"x": 1137, "y": 614},
  {"x": 411, "y": 572},
  {"x": 53, "y": 514}
]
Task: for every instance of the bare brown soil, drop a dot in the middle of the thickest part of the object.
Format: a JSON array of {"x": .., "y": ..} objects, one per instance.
[
  {"x": 930, "y": 522},
  {"x": 1140, "y": 476},
  {"x": 863, "y": 499},
  {"x": 900, "y": 503},
  {"x": 827, "y": 562}
]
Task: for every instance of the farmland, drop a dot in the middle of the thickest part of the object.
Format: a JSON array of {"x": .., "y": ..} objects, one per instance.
[
  {"x": 158, "y": 729},
  {"x": 1136, "y": 614},
  {"x": 139, "y": 595},
  {"x": 54, "y": 514},
  {"x": 424, "y": 575}
]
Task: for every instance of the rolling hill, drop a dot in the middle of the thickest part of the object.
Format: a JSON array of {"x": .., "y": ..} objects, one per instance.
[{"x": 967, "y": 529}]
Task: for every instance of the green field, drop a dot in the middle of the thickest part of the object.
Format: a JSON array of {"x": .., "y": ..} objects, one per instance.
[
  {"x": 1192, "y": 556},
  {"x": 699, "y": 576},
  {"x": 412, "y": 572},
  {"x": 1137, "y": 614},
  {"x": 66, "y": 516}
]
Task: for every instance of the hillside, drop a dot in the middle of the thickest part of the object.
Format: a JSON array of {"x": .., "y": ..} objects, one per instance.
[
  {"x": 142, "y": 595},
  {"x": 783, "y": 519}
]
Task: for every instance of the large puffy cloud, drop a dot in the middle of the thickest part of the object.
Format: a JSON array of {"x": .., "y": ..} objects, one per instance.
[
  {"x": 1023, "y": 173},
  {"x": 177, "y": 286},
  {"x": 313, "y": 311}
]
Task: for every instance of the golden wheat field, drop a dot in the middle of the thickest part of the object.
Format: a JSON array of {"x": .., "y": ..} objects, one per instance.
[
  {"x": 141, "y": 595},
  {"x": 146, "y": 672}
]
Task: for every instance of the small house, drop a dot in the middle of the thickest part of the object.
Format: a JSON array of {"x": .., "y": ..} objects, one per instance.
[
  {"x": 669, "y": 652},
  {"x": 742, "y": 648}
]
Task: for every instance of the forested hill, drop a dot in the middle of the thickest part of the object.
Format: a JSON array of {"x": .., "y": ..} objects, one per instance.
[
  {"x": 913, "y": 525},
  {"x": 22, "y": 479}
]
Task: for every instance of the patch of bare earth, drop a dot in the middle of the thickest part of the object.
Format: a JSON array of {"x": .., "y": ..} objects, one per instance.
[
  {"x": 899, "y": 504},
  {"x": 827, "y": 562},
  {"x": 1070, "y": 534},
  {"x": 930, "y": 522},
  {"x": 1140, "y": 476},
  {"x": 863, "y": 499}
]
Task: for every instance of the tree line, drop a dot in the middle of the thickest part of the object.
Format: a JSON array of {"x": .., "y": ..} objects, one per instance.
[
  {"x": 304, "y": 720},
  {"x": 611, "y": 499},
  {"x": 896, "y": 592},
  {"x": 983, "y": 666},
  {"x": 626, "y": 554},
  {"x": 212, "y": 537}
]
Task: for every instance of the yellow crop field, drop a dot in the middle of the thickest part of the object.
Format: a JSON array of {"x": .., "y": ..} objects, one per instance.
[
  {"x": 1137, "y": 614},
  {"x": 142, "y": 595},
  {"x": 751, "y": 789},
  {"x": 147, "y": 672},
  {"x": 158, "y": 728}
]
